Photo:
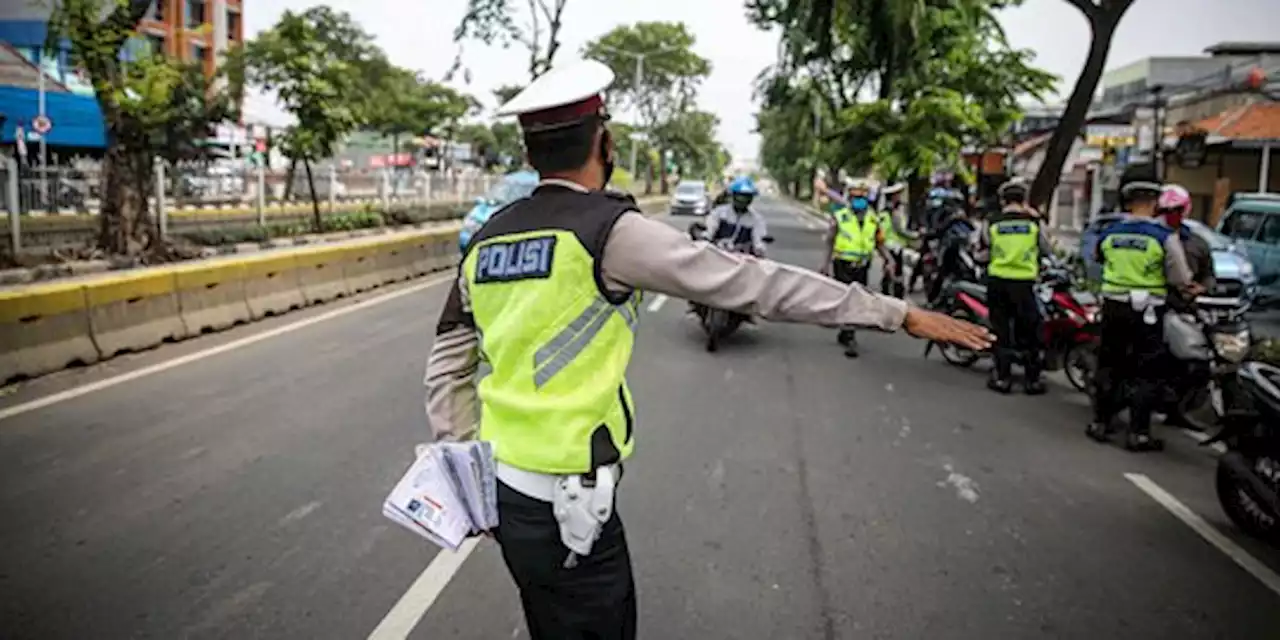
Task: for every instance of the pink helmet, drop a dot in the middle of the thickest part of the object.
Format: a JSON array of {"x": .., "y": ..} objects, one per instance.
[{"x": 1174, "y": 199}]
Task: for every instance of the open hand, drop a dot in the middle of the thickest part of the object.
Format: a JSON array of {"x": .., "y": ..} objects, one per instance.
[{"x": 938, "y": 327}]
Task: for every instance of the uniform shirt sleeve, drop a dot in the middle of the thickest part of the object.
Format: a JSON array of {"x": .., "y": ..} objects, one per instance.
[
  {"x": 452, "y": 404},
  {"x": 982, "y": 243},
  {"x": 1176, "y": 270},
  {"x": 649, "y": 255}
]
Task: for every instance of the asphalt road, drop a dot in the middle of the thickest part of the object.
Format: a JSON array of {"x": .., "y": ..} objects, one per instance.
[{"x": 779, "y": 490}]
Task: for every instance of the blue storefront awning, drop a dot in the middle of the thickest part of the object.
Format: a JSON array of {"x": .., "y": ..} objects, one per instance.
[{"x": 77, "y": 120}]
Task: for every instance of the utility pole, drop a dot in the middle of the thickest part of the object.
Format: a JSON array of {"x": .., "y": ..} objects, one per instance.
[{"x": 636, "y": 83}]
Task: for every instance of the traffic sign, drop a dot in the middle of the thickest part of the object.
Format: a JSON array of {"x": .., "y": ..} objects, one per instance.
[{"x": 41, "y": 124}]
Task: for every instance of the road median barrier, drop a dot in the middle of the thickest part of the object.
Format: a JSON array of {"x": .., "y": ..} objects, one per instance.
[
  {"x": 320, "y": 274},
  {"x": 360, "y": 266},
  {"x": 271, "y": 285},
  {"x": 134, "y": 311},
  {"x": 211, "y": 298},
  {"x": 44, "y": 329},
  {"x": 47, "y": 327}
]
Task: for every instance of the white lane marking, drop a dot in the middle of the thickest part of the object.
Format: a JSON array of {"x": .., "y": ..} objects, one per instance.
[
  {"x": 658, "y": 301},
  {"x": 107, "y": 383},
  {"x": 1262, "y": 572},
  {"x": 300, "y": 513},
  {"x": 415, "y": 602},
  {"x": 1201, "y": 437}
]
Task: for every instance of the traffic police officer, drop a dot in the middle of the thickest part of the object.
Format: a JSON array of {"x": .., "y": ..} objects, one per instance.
[
  {"x": 1142, "y": 259},
  {"x": 534, "y": 339},
  {"x": 1015, "y": 244},
  {"x": 893, "y": 224},
  {"x": 853, "y": 238}
]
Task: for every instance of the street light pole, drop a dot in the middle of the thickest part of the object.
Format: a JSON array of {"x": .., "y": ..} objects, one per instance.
[{"x": 635, "y": 148}]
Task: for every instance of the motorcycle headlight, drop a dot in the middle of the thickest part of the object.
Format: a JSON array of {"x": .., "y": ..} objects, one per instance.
[{"x": 1232, "y": 347}]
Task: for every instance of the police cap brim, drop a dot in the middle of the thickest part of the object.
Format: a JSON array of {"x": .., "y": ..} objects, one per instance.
[{"x": 563, "y": 96}]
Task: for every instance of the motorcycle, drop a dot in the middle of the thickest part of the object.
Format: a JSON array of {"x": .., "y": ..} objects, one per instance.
[
  {"x": 1069, "y": 321},
  {"x": 1248, "y": 476},
  {"x": 1204, "y": 348},
  {"x": 719, "y": 324}
]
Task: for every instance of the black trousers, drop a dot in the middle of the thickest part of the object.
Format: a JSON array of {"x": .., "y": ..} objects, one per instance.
[
  {"x": 948, "y": 267},
  {"x": 1015, "y": 319},
  {"x": 894, "y": 286},
  {"x": 1128, "y": 365},
  {"x": 849, "y": 273},
  {"x": 595, "y": 600}
]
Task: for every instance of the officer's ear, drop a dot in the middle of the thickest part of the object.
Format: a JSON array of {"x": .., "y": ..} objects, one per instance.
[{"x": 607, "y": 148}]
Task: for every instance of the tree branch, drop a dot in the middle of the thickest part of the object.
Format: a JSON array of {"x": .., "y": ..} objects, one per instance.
[{"x": 1087, "y": 7}]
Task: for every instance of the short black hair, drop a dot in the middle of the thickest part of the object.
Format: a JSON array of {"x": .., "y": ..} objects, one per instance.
[{"x": 562, "y": 149}]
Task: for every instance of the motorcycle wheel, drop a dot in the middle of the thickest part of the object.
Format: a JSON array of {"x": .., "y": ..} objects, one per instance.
[
  {"x": 955, "y": 355},
  {"x": 1244, "y": 509},
  {"x": 1079, "y": 363},
  {"x": 713, "y": 324}
]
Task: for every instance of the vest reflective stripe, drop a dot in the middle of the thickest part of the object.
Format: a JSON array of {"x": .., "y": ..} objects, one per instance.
[
  {"x": 855, "y": 240},
  {"x": 554, "y": 353},
  {"x": 554, "y": 356},
  {"x": 1015, "y": 249},
  {"x": 1133, "y": 259}
]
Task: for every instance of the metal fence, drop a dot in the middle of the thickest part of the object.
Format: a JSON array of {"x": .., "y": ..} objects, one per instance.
[{"x": 60, "y": 195}]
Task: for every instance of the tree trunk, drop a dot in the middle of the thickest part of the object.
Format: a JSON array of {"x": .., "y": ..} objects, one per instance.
[
  {"x": 315, "y": 202},
  {"x": 1073, "y": 117},
  {"x": 917, "y": 193},
  {"x": 288, "y": 178},
  {"x": 395, "y": 151},
  {"x": 125, "y": 225},
  {"x": 662, "y": 172}
]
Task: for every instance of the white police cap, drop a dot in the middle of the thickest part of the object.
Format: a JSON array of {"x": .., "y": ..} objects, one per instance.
[
  {"x": 893, "y": 188},
  {"x": 562, "y": 96}
]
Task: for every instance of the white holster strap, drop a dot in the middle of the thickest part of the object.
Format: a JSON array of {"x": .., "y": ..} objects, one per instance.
[{"x": 581, "y": 507}]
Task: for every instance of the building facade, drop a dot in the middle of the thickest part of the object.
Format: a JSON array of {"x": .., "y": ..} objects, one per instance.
[{"x": 193, "y": 30}]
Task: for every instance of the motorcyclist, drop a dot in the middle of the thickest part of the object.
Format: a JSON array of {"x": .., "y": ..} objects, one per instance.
[
  {"x": 1015, "y": 242},
  {"x": 1173, "y": 207},
  {"x": 893, "y": 222},
  {"x": 953, "y": 232},
  {"x": 1143, "y": 261},
  {"x": 853, "y": 237},
  {"x": 737, "y": 220}
]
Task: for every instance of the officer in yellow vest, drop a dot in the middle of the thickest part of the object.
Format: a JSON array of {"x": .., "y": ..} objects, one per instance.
[
  {"x": 535, "y": 336},
  {"x": 893, "y": 223},
  {"x": 854, "y": 237},
  {"x": 1015, "y": 243},
  {"x": 1142, "y": 261}
]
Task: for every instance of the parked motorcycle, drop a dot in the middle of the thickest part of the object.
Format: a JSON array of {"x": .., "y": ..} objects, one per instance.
[
  {"x": 719, "y": 324},
  {"x": 1248, "y": 476},
  {"x": 1205, "y": 346},
  {"x": 1069, "y": 322}
]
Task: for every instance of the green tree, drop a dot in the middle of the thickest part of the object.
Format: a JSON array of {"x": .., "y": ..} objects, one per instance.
[
  {"x": 315, "y": 62},
  {"x": 534, "y": 26},
  {"x": 506, "y": 92},
  {"x": 150, "y": 106},
  {"x": 508, "y": 142},
  {"x": 670, "y": 72},
  {"x": 403, "y": 103},
  {"x": 1104, "y": 17}
]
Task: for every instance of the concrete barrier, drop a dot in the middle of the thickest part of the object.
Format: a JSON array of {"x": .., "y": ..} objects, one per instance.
[
  {"x": 211, "y": 297},
  {"x": 360, "y": 266},
  {"x": 395, "y": 261},
  {"x": 134, "y": 311},
  {"x": 271, "y": 285},
  {"x": 44, "y": 329},
  {"x": 47, "y": 327},
  {"x": 320, "y": 274}
]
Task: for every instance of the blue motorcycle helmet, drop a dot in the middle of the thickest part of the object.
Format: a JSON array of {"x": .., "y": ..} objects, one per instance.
[{"x": 742, "y": 192}]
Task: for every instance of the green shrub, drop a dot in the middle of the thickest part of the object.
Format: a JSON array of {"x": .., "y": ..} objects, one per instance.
[{"x": 1266, "y": 350}]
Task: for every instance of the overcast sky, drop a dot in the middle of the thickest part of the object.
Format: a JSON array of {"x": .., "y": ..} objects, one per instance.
[{"x": 418, "y": 34}]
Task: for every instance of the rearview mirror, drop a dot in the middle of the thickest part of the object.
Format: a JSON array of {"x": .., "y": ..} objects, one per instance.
[{"x": 768, "y": 239}]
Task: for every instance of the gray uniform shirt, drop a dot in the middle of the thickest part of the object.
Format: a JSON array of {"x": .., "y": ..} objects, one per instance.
[{"x": 648, "y": 255}]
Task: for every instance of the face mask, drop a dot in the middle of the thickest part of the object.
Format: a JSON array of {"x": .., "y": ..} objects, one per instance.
[
  {"x": 859, "y": 203},
  {"x": 741, "y": 204}
]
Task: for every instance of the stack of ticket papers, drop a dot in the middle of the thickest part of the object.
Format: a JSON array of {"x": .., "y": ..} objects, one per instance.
[{"x": 448, "y": 494}]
